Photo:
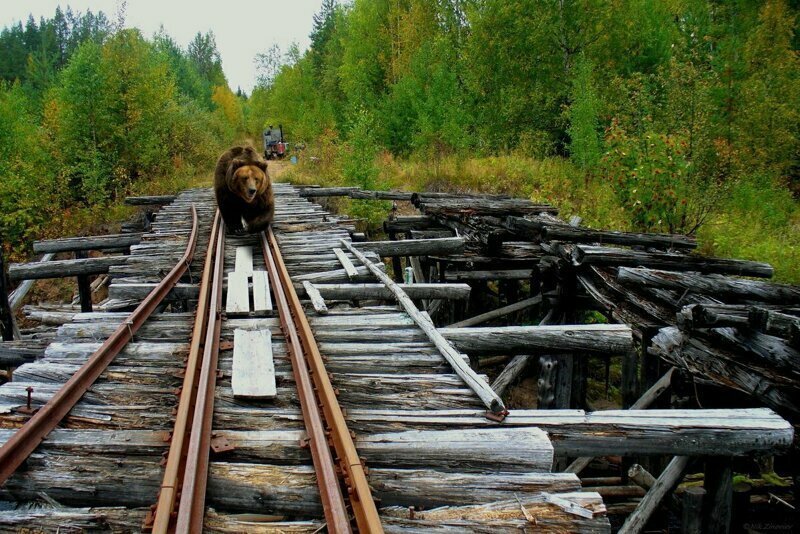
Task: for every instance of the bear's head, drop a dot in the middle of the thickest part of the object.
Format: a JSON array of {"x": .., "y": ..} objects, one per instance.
[{"x": 247, "y": 178}]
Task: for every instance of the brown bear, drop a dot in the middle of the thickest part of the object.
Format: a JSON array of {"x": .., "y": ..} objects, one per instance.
[{"x": 243, "y": 190}]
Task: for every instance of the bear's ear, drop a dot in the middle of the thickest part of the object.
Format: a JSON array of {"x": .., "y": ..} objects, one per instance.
[
  {"x": 233, "y": 167},
  {"x": 261, "y": 164}
]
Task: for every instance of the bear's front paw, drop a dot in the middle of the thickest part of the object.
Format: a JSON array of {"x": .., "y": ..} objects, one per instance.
[{"x": 238, "y": 231}]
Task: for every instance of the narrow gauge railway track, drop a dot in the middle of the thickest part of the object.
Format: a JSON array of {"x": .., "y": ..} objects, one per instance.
[
  {"x": 436, "y": 463},
  {"x": 187, "y": 461}
]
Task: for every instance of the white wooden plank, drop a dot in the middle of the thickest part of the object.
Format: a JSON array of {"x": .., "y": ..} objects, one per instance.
[
  {"x": 238, "y": 299},
  {"x": 253, "y": 368},
  {"x": 244, "y": 260},
  {"x": 349, "y": 268},
  {"x": 262, "y": 300},
  {"x": 316, "y": 299}
]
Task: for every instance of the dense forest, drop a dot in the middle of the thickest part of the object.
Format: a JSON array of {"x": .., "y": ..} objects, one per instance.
[
  {"x": 670, "y": 115},
  {"x": 90, "y": 112},
  {"x": 661, "y": 115}
]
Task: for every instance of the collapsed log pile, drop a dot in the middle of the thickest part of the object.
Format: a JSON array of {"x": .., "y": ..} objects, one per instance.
[{"x": 704, "y": 315}]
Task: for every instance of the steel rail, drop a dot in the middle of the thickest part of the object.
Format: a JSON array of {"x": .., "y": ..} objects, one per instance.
[
  {"x": 25, "y": 440},
  {"x": 333, "y": 504},
  {"x": 361, "y": 500},
  {"x": 191, "y": 508},
  {"x": 162, "y": 520}
]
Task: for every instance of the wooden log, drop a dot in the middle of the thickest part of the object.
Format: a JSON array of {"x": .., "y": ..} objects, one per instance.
[
  {"x": 138, "y": 291},
  {"x": 18, "y": 295},
  {"x": 597, "y": 338},
  {"x": 611, "y": 256},
  {"x": 698, "y": 316},
  {"x": 584, "y": 512},
  {"x": 16, "y": 353},
  {"x": 665, "y": 483},
  {"x": 97, "y": 242},
  {"x": 711, "y": 284},
  {"x": 472, "y": 380},
  {"x": 478, "y": 206},
  {"x": 380, "y": 291},
  {"x": 692, "y": 510},
  {"x": 733, "y": 369},
  {"x": 500, "y": 312},
  {"x": 63, "y": 268},
  {"x": 347, "y": 265},
  {"x": 159, "y": 200},
  {"x": 772, "y": 322},
  {"x": 717, "y": 508},
  {"x": 499, "y": 274},
  {"x": 316, "y": 298},
  {"x": 415, "y": 247},
  {"x": 408, "y": 223},
  {"x": 577, "y": 234},
  {"x": 511, "y": 371},
  {"x": 320, "y": 192}
]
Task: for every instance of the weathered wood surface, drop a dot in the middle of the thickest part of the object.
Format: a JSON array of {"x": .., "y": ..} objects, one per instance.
[
  {"x": 499, "y": 312},
  {"x": 380, "y": 291},
  {"x": 760, "y": 379},
  {"x": 253, "y": 369},
  {"x": 15, "y": 353},
  {"x": 316, "y": 298},
  {"x": 499, "y": 274},
  {"x": 599, "y": 255},
  {"x": 711, "y": 284},
  {"x": 347, "y": 265},
  {"x": 16, "y": 297},
  {"x": 415, "y": 247},
  {"x": 665, "y": 483},
  {"x": 772, "y": 322},
  {"x": 237, "y": 299},
  {"x": 555, "y": 230},
  {"x": 63, "y": 268},
  {"x": 404, "y": 224},
  {"x": 262, "y": 296},
  {"x": 526, "y": 513},
  {"x": 602, "y": 338},
  {"x": 97, "y": 242},
  {"x": 454, "y": 206},
  {"x": 462, "y": 369}
]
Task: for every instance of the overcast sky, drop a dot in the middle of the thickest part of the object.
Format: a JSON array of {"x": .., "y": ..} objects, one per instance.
[{"x": 242, "y": 28}]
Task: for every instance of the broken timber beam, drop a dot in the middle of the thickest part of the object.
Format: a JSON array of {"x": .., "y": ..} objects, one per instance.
[
  {"x": 462, "y": 369},
  {"x": 652, "y": 499},
  {"x": 612, "y": 256},
  {"x": 723, "y": 287}
]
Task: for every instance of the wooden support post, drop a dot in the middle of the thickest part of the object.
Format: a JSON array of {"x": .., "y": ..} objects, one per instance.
[
  {"x": 6, "y": 314},
  {"x": 692, "y": 511},
  {"x": 630, "y": 367},
  {"x": 652, "y": 499},
  {"x": 397, "y": 266},
  {"x": 717, "y": 507},
  {"x": 84, "y": 286}
]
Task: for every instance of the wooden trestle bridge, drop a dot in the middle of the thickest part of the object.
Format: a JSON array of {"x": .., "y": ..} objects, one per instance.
[{"x": 284, "y": 382}]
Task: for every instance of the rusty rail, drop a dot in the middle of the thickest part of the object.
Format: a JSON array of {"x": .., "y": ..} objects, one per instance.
[
  {"x": 308, "y": 366},
  {"x": 191, "y": 508},
  {"x": 161, "y": 519},
  {"x": 17, "y": 449}
]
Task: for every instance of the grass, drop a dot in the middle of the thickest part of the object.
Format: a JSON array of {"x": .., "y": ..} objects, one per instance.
[{"x": 757, "y": 219}]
